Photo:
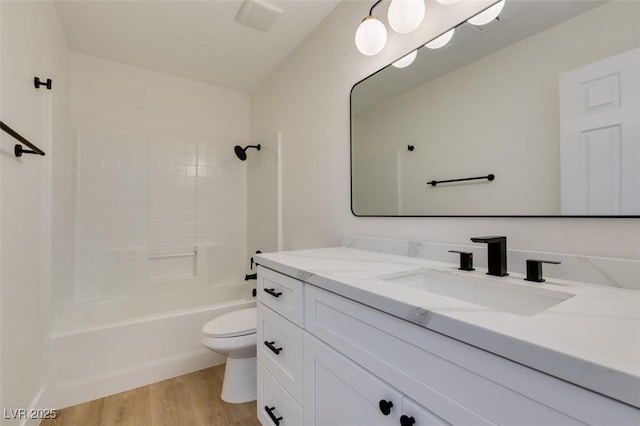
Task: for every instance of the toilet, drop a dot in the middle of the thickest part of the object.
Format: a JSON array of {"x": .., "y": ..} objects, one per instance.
[{"x": 234, "y": 335}]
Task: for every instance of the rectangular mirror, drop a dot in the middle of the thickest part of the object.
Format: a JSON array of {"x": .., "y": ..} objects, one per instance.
[{"x": 546, "y": 99}]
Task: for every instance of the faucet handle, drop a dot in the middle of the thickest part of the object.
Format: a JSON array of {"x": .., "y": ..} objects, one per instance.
[
  {"x": 534, "y": 269},
  {"x": 466, "y": 260}
]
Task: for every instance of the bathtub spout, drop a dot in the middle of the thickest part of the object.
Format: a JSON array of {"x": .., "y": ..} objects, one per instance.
[{"x": 248, "y": 277}]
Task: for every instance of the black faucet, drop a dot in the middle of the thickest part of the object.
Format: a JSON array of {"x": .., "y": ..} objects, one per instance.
[{"x": 496, "y": 254}]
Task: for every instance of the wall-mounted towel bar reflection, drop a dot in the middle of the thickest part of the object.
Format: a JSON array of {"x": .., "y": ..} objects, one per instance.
[
  {"x": 18, "y": 150},
  {"x": 488, "y": 177},
  {"x": 168, "y": 255}
]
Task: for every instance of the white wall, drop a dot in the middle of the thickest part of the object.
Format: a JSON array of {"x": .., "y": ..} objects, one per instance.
[
  {"x": 116, "y": 98},
  {"x": 307, "y": 98},
  {"x": 32, "y": 44}
]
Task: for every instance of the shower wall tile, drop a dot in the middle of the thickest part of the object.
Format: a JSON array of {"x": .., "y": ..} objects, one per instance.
[
  {"x": 172, "y": 197},
  {"x": 222, "y": 263},
  {"x": 221, "y": 212},
  {"x": 63, "y": 198},
  {"x": 135, "y": 197},
  {"x": 110, "y": 210}
]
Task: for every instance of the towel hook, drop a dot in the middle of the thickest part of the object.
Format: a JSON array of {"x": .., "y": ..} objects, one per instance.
[{"x": 37, "y": 83}]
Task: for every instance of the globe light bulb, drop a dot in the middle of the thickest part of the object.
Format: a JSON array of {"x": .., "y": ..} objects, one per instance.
[
  {"x": 442, "y": 40},
  {"x": 406, "y": 60},
  {"x": 371, "y": 36},
  {"x": 406, "y": 15},
  {"x": 488, "y": 15}
]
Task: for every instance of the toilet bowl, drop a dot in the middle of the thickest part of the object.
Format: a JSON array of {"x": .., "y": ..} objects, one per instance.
[{"x": 234, "y": 335}]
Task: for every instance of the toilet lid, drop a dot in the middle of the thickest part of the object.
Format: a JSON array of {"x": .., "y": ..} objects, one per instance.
[{"x": 236, "y": 323}]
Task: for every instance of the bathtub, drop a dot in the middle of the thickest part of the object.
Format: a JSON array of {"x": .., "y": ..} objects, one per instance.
[{"x": 106, "y": 347}]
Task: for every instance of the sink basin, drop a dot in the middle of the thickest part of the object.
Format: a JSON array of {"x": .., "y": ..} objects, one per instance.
[{"x": 495, "y": 293}]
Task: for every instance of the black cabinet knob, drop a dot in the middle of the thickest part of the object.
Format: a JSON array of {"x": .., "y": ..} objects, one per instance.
[
  {"x": 407, "y": 421},
  {"x": 385, "y": 407}
]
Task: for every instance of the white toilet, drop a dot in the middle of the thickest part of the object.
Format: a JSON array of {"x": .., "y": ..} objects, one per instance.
[{"x": 234, "y": 335}]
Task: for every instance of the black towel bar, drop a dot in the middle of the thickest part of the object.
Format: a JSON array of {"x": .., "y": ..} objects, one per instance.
[
  {"x": 18, "y": 149},
  {"x": 488, "y": 177}
]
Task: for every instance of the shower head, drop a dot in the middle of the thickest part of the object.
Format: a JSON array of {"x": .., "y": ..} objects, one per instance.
[{"x": 241, "y": 152}]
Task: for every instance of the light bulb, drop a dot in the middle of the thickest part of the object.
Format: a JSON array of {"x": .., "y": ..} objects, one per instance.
[
  {"x": 447, "y": 2},
  {"x": 406, "y": 60},
  {"x": 406, "y": 15},
  {"x": 371, "y": 36},
  {"x": 440, "y": 41},
  {"x": 488, "y": 15}
]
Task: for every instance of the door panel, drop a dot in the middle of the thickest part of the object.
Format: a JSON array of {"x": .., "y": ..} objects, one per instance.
[{"x": 600, "y": 137}]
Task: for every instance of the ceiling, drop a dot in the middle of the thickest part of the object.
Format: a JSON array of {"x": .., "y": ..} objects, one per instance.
[{"x": 200, "y": 40}]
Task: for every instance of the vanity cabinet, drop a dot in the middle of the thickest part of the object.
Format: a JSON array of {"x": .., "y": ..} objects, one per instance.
[{"x": 344, "y": 358}]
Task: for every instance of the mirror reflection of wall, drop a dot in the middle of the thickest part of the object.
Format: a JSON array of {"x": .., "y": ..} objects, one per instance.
[{"x": 497, "y": 114}]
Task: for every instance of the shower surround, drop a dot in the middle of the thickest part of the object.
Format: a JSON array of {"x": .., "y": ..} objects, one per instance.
[
  {"x": 159, "y": 243},
  {"x": 153, "y": 215}
]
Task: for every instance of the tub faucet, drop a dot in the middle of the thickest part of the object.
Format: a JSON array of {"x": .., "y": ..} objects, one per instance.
[{"x": 496, "y": 254}]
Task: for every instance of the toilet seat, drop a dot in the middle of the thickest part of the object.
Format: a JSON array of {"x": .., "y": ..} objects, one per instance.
[{"x": 234, "y": 324}]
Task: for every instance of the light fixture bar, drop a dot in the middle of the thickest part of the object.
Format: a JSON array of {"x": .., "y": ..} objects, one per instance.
[{"x": 373, "y": 7}]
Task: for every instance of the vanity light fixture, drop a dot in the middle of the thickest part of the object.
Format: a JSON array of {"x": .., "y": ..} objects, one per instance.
[
  {"x": 442, "y": 40},
  {"x": 406, "y": 15},
  {"x": 371, "y": 35},
  {"x": 488, "y": 15},
  {"x": 406, "y": 60}
]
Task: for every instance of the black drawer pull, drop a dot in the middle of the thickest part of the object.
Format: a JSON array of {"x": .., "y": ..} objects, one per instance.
[
  {"x": 407, "y": 421},
  {"x": 385, "y": 407},
  {"x": 271, "y": 346},
  {"x": 273, "y": 292},
  {"x": 276, "y": 420}
]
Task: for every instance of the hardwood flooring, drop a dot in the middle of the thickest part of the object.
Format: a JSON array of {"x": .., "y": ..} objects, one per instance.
[{"x": 189, "y": 400}]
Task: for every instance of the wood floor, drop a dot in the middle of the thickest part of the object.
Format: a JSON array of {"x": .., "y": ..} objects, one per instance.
[{"x": 190, "y": 400}]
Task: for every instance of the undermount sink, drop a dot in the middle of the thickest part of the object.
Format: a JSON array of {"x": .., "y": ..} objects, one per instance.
[{"x": 496, "y": 293}]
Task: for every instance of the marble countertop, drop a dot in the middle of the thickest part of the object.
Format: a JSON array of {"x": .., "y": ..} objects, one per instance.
[{"x": 591, "y": 340}]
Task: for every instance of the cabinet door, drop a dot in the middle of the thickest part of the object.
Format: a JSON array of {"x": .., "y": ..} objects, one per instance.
[
  {"x": 338, "y": 392},
  {"x": 416, "y": 415}
]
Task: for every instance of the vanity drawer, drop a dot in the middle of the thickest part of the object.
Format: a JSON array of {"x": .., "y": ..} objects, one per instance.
[
  {"x": 281, "y": 293},
  {"x": 460, "y": 383},
  {"x": 280, "y": 350},
  {"x": 274, "y": 403}
]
